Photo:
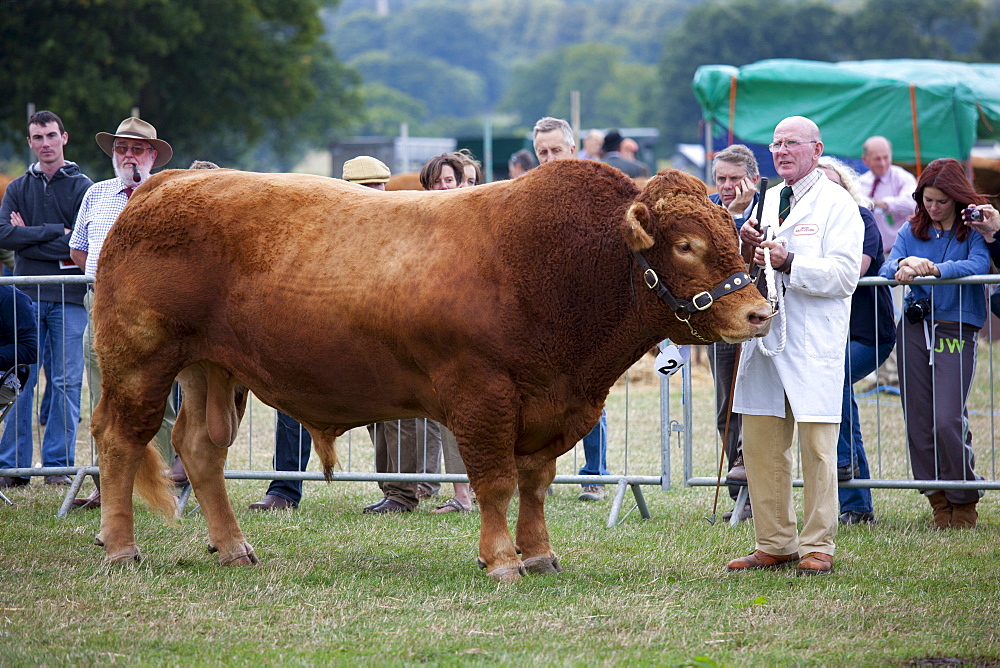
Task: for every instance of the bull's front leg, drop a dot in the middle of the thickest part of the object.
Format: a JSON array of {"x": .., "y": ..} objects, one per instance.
[
  {"x": 497, "y": 553},
  {"x": 532, "y": 534}
]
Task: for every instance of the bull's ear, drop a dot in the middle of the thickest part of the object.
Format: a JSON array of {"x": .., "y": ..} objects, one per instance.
[{"x": 638, "y": 219}]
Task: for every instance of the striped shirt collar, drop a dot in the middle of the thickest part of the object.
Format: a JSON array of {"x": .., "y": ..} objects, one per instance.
[{"x": 805, "y": 184}]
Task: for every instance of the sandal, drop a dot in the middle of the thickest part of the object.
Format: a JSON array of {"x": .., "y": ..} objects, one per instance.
[{"x": 452, "y": 505}]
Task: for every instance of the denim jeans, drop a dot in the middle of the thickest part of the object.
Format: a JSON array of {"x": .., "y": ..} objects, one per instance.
[
  {"x": 595, "y": 449},
  {"x": 292, "y": 447},
  {"x": 861, "y": 360},
  {"x": 60, "y": 335}
]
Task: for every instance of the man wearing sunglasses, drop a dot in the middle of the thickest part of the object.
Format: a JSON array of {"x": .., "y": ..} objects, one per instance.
[{"x": 135, "y": 151}]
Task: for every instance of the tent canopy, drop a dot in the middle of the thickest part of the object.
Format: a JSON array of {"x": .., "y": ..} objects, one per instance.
[{"x": 927, "y": 108}]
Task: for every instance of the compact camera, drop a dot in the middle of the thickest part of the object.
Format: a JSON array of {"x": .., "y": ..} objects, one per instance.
[
  {"x": 918, "y": 310},
  {"x": 972, "y": 215}
]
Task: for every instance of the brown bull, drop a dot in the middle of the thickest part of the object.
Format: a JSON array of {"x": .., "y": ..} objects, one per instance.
[{"x": 505, "y": 311}]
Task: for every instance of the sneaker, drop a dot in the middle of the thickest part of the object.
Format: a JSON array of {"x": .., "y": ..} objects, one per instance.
[{"x": 592, "y": 493}]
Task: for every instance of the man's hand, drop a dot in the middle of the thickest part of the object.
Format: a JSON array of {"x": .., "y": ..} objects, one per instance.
[
  {"x": 744, "y": 195},
  {"x": 778, "y": 253},
  {"x": 15, "y": 219},
  {"x": 749, "y": 233},
  {"x": 880, "y": 204}
]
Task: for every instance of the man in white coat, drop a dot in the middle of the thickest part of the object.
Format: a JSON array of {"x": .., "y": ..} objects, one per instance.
[{"x": 816, "y": 254}]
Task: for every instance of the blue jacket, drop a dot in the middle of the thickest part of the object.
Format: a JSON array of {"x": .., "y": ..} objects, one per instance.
[
  {"x": 22, "y": 338},
  {"x": 954, "y": 259},
  {"x": 739, "y": 220},
  {"x": 48, "y": 209}
]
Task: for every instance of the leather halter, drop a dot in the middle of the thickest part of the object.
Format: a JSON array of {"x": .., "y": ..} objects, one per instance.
[{"x": 701, "y": 301}]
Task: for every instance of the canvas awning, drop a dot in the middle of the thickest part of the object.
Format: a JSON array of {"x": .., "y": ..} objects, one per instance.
[{"x": 927, "y": 108}]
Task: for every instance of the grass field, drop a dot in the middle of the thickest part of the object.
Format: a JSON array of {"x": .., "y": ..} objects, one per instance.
[{"x": 336, "y": 586}]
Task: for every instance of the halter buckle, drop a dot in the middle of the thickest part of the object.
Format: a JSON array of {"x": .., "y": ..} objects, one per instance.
[
  {"x": 700, "y": 295},
  {"x": 652, "y": 280}
]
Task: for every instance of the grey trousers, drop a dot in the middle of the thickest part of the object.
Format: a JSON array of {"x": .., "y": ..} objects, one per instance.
[
  {"x": 934, "y": 385},
  {"x": 721, "y": 358},
  {"x": 407, "y": 446}
]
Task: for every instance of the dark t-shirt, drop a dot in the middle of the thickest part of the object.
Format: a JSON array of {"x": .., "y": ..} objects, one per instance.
[{"x": 872, "y": 318}]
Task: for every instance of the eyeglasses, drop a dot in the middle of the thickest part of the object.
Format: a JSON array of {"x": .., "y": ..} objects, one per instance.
[
  {"x": 137, "y": 151},
  {"x": 776, "y": 146}
]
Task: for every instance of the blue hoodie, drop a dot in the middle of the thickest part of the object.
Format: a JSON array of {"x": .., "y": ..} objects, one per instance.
[
  {"x": 48, "y": 208},
  {"x": 15, "y": 306},
  {"x": 954, "y": 259}
]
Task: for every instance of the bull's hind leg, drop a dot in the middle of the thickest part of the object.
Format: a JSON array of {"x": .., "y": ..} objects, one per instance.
[
  {"x": 486, "y": 442},
  {"x": 532, "y": 534},
  {"x": 211, "y": 410},
  {"x": 127, "y": 417}
]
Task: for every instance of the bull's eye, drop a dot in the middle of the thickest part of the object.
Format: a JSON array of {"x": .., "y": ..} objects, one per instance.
[{"x": 684, "y": 247}]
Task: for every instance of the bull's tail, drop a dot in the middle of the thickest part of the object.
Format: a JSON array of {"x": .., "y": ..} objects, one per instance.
[
  {"x": 154, "y": 487},
  {"x": 324, "y": 445}
]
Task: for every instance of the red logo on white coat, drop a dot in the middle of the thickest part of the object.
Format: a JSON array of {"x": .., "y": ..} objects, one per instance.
[{"x": 805, "y": 228}]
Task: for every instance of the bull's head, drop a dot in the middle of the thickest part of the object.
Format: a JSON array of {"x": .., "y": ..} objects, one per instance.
[{"x": 686, "y": 251}]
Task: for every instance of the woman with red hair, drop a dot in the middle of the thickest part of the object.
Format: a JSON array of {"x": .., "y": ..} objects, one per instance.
[{"x": 937, "y": 335}]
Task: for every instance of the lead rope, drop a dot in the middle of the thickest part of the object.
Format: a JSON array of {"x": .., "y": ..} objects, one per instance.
[{"x": 777, "y": 299}]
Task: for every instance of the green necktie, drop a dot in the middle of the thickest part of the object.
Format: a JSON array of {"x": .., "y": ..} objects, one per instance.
[{"x": 784, "y": 204}]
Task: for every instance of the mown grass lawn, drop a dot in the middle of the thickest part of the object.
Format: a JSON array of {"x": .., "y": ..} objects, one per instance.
[{"x": 338, "y": 587}]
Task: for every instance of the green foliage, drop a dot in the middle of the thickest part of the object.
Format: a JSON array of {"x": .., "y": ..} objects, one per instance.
[
  {"x": 610, "y": 87},
  {"x": 215, "y": 77},
  {"x": 745, "y": 31}
]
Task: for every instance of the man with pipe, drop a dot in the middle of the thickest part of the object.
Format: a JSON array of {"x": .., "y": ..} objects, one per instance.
[{"x": 135, "y": 151}]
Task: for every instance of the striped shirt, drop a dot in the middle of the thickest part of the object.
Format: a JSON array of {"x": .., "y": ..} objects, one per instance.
[{"x": 98, "y": 212}]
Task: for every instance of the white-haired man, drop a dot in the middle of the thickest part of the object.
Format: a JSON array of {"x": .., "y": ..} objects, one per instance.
[
  {"x": 816, "y": 253},
  {"x": 135, "y": 151}
]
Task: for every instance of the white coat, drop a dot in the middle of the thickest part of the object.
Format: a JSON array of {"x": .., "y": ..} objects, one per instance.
[{"x": 825, "y": 232}]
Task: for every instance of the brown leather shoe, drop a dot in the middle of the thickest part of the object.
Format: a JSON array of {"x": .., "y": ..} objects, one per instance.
[
  {"x": 273, "y": 502},
  {"x": 739, "y": 471},
  {"x": 815, "y": 563},
  {"x": 759, "y": 559},
  {"x": 92, "y": 501},
  {"x": 942, "y": 509},
  {"x": 964, "y": 516}
]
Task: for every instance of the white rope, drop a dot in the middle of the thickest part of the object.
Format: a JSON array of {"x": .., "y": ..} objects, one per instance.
[{"x": 777, "y": 299}]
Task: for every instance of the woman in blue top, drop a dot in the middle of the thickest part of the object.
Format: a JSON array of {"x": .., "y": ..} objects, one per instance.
[{"x": 937, "y": 335}]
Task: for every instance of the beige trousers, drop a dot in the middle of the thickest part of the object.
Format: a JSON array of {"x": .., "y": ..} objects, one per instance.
[{"x": 767, "y": 453}]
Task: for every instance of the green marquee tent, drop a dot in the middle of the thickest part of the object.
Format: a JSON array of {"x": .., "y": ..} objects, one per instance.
[{"x": 928, "y": 109}]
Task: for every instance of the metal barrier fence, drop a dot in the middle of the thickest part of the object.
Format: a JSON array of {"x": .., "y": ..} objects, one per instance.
[
  {"x": 883, "y": 425},
  {"x": 647, "y": 417}
]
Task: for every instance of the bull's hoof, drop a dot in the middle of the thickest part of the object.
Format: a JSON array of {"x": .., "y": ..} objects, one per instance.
[
  {"x": 244, "y": 556},
  {"x": 543, "y": 565},
  {"x": 511, "y": 573},
  {"x": 127, "y": 555},
  {"x": 212, "y": 549},
  {"x": 98, "y": 540},
  {"x": 482, "y": 564}
]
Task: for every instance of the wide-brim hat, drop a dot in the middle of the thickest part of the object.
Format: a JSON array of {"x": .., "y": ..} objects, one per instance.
[
  {"x": 136, "y": 128},
  {"x": 366, "y": 169}
]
